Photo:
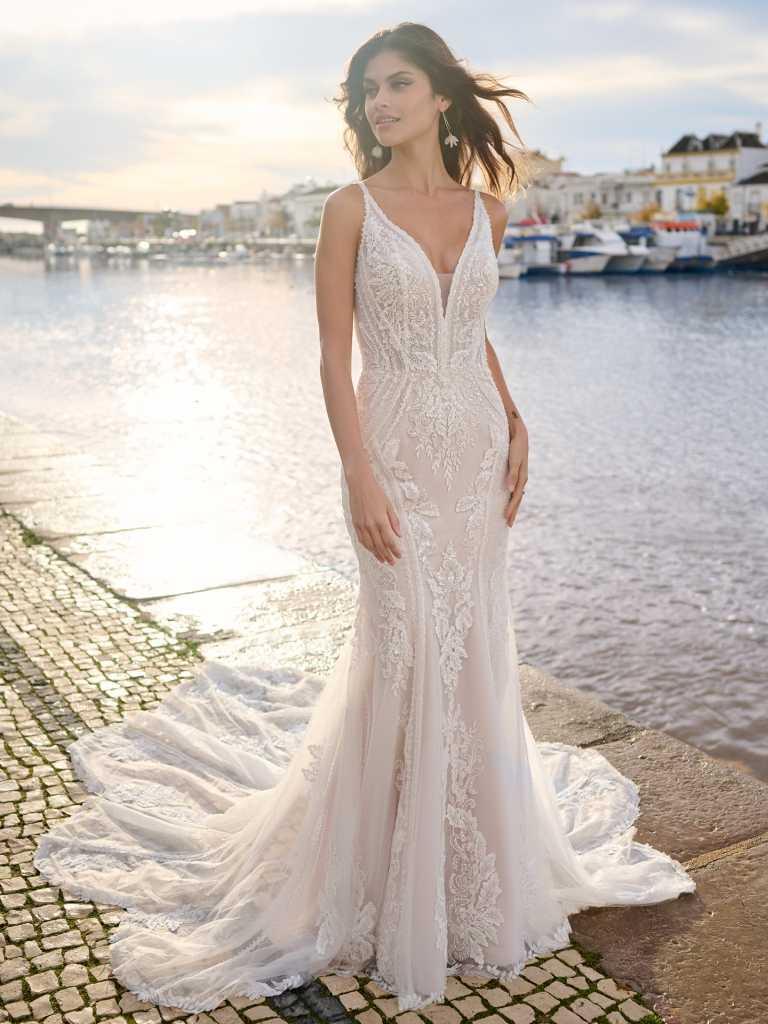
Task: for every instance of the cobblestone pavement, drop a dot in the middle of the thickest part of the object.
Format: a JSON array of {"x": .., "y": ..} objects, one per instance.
[{"x": 74, "y": 656}]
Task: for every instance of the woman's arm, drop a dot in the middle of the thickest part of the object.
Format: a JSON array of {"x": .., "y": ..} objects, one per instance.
[
  {"x": 513, "y": 414},
  {"x": 373, "y": 516},
  {"x": 517, "y": 462},
  {"x": 334, "y": 297}
]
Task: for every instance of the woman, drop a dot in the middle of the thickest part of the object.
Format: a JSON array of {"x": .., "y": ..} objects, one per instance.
[{"x": 402, "y": 824}]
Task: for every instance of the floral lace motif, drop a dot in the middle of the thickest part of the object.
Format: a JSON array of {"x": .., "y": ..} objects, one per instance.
[
  {"x": 470, "y": 920},
  {"x": 475, "y": 503},
  {"x": 315, "y": 751},
  {"x": 441, "y": 420},
  {"x": 346, "y": 947}
]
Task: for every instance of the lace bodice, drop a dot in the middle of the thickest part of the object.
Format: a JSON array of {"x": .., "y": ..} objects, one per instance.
[{"x": 401, "y": 322}]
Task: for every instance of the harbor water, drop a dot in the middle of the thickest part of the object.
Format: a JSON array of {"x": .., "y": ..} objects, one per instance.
[{"x": 638, "y": 565}]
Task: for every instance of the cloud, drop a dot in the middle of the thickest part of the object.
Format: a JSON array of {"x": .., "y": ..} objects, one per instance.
[
  {"x": 49, "y": 17},
  {"x": 190, "y": 103}
]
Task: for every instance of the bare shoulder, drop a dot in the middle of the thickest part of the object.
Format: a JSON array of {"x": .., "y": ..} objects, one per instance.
[
  {"x": 497, "y": 211},
  {"x": 498, "y": 214},
  {"x": 342, "y": 214},
  {"x": 345, "y": 200}
]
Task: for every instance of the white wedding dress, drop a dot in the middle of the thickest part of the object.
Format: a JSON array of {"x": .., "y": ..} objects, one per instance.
[{"x": 396, "y": 819}]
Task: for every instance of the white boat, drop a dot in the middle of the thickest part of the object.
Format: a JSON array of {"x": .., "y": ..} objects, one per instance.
[
  {"x": 642, "y": 239},
  {"x": 659, "y": 258},
  {"x": 539, "y": 250},
  {"x": 588, "y": 239},
  {"x": 510, "y": 262},
  {"x": 586, "y": 263},
  {"x": 689, "y": 241}
]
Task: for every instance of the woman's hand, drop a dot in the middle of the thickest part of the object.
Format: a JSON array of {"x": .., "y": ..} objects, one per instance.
[
  {"x": 374, "y": 517},
  {"x": 517, "y": 470}
]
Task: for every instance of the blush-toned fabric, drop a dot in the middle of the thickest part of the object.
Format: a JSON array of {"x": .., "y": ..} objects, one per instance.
[
  {"x": 445, "y": 287},
  {"x": 397, "y": 819}
]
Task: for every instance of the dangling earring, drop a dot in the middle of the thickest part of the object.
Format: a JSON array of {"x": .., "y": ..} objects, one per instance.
[
  {"x": 450, "y": 139},
  {"x": 377, "y": 151}
]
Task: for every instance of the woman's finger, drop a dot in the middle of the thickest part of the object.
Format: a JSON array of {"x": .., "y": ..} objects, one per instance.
[
  {"x": 370, "y": 543},
  {"x": 390, "y": 541},
  {"x": 513, "y": 504},
  {"x": 381, "y": 546},
  {"x": 395, "y": 522}
]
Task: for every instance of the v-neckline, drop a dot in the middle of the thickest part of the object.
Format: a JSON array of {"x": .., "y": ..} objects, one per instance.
[{"x": 443, "y": 313}]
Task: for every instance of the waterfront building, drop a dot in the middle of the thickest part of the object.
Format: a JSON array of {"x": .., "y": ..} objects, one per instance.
[{"x": 695, "y": 169}]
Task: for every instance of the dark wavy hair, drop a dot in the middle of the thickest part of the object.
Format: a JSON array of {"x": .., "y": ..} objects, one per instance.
[{"x": 506, "y": 168}]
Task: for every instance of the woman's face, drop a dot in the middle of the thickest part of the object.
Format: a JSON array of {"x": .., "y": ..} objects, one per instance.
[{"x": 395, "y": 89}]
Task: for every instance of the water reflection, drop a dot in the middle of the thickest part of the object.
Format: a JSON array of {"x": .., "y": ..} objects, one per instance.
[{"x": 638, "y": 560}]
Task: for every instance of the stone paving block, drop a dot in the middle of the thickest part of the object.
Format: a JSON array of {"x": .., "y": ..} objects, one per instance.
[
  {"x": 571, "y": 956},
  {"x": 10, "y": 992},
  {"x": 101, "y": 990},
  {"x": 18, "y": 1010},
  {"x": 106, "y": 1007},
  {"x": 556, "y": 967},
  {"x": 601, "y": 1000},
  {"x": 368, "y": 1017},
  {"x": 565, "y": 1016},
  {"x": 375, "y": 990},
  {"x": 440, "y": 1013},
  {"x": 69, "y": 999},
  {"x": 225, "y": 1015},
  {"x": 470, "y": 1006},
  {"x": 387, "y": 1006},
  {"x": 519, "y": 1014},
  {"x": 84, "y": 1016},
  {"x": 632, "y": 1010},
  {"x": 560, "y": 991},
  {"x": 45, "y": 981},
  {"x": 17, "y": 967},
  {"x": 151, "y": 1016},
  {"x": 495, "y": 996},
  {"x": 537, "y": 975},
  {"x": 543, "y": 1002},
  {"x": 586, "y": 1009},
  {"x": 74, "y": 974},
  {"x": 41, "y": 1007},
  {"x": 338, "y": 983},
  {"x": 353, "y": 1001},
  {"x": 519, "y": 986}
]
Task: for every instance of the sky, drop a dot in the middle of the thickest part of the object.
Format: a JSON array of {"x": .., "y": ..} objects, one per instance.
[{"x": 189, "y": 103}]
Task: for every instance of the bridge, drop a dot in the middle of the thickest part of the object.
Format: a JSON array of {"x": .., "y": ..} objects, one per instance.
[{"x": 52, "y": 216}]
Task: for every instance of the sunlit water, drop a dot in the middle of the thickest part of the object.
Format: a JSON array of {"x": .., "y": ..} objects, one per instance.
[{"x": 638, "y": 560}]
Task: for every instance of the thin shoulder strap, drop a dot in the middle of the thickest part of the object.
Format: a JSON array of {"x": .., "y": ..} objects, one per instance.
[
  {"x": 367, "y": 202},
  {"x": 479, "y": 199}
]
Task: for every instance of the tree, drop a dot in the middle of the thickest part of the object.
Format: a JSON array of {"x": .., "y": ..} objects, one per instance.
[
  {"x": 717, "y": 204},
  {"x": 646, "y": 214},
  {"x": 592, "y": 209}
]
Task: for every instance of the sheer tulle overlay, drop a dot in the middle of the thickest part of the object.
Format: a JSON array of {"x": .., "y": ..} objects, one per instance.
[{"x": 396, "y": 819}]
